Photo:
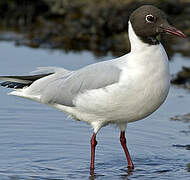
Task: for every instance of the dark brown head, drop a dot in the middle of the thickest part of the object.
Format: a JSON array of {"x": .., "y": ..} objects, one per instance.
[{"x": 149, "y": 21}]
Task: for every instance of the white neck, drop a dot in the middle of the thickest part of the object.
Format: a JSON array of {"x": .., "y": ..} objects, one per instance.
[{"x": 136, "y": 43}]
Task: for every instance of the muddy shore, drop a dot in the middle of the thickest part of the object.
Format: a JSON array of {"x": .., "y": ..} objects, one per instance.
[{"x": 99, "y": 25}]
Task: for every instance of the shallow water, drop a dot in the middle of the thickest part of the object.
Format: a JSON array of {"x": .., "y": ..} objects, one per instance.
[{"x": 38, "y": 142}]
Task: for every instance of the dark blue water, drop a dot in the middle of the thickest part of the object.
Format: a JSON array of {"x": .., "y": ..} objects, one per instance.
[{"x": 38, "y": 142}]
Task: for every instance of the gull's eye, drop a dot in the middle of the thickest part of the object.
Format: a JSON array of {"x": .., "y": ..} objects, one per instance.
[{"x": 149, "y": 18}]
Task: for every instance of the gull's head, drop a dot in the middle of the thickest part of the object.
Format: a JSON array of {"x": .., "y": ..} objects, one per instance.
[{"x": 149, "y": 21}]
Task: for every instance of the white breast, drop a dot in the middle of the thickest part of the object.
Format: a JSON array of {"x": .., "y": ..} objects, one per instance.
[{"x": 145, "y": 78}]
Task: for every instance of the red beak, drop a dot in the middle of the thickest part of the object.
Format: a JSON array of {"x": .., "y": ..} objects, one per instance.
[{"x": 174, "y": 31}]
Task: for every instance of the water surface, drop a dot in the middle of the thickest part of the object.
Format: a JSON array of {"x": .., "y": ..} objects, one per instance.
[{"x": 39, "y": 142}]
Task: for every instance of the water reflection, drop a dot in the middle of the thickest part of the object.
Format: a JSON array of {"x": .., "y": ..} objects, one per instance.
[{"x": 188, "y": 167}]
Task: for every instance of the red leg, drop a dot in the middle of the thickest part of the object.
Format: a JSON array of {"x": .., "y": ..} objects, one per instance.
[
  {"x": 93, "y": 145},
  {"x": 123, "y": 143}
]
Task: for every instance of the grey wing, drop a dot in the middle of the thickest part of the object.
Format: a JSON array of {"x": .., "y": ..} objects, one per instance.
[{"x": 64, "y": 90}]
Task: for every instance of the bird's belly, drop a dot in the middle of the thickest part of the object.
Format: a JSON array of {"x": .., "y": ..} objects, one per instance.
[
  {"x": 142, "y": 100},
  {"x": 142, "y": 103},
  {"x": 120, "y": 104}
]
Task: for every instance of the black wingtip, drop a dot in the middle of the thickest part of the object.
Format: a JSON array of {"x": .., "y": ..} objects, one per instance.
[{"x": 13, "y": 85}]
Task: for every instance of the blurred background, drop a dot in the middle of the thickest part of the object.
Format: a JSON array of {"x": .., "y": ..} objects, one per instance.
[
  {"x": 38, "y": 142},
  {"x": 74, "y": 25}
]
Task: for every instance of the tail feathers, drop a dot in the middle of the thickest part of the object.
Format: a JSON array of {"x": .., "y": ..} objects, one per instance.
[{"x": 19, "y": 82}]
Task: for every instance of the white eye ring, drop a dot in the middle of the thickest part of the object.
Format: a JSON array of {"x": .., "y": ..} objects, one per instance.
[{"x": 149, "y": 18}]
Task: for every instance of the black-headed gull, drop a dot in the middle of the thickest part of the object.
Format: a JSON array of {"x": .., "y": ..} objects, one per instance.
[{"x": 119, "y": 91}]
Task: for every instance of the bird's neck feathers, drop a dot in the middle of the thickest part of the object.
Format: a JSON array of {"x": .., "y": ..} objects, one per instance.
[{"x": 137, "y": 44}]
